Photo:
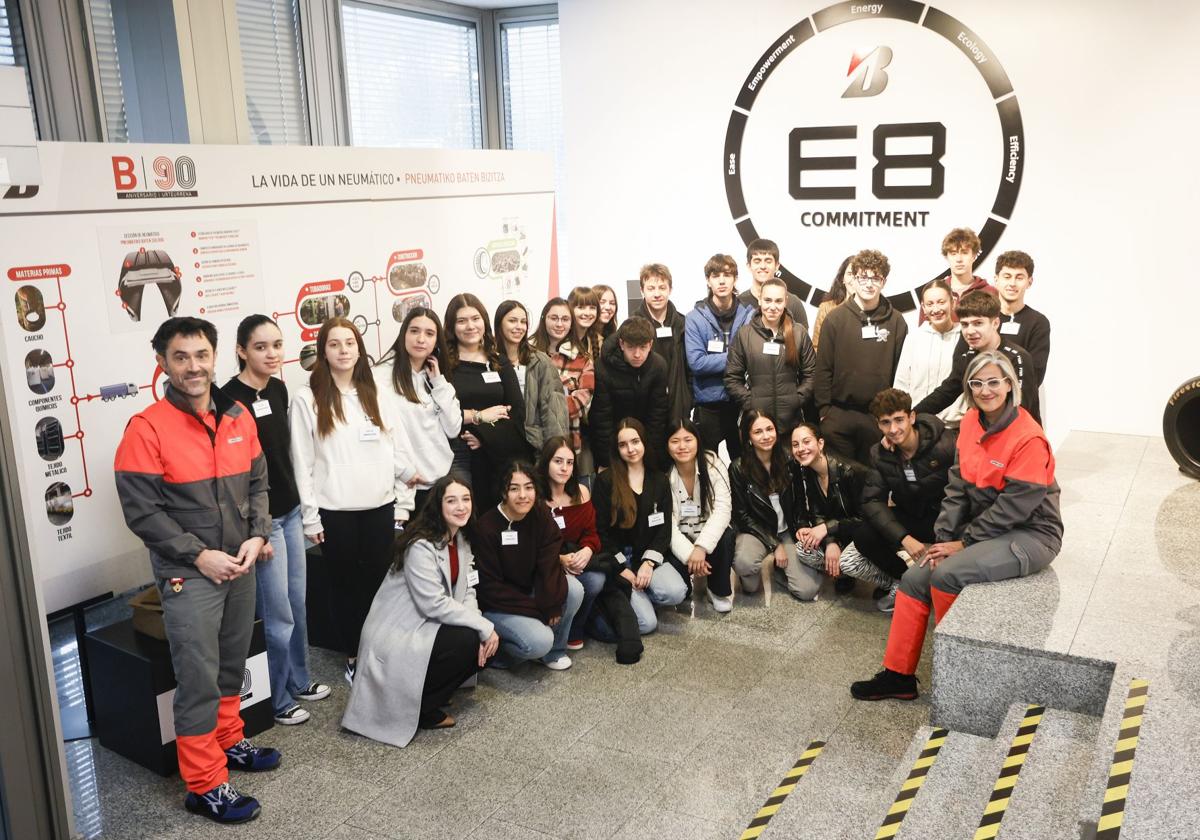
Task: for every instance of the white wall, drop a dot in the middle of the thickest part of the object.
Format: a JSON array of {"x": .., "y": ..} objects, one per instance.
[{"x": 1110, "y": 192}]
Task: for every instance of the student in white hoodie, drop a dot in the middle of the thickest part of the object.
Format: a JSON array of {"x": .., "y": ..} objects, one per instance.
[
  {"x": 410, "y": 381},
  {"x": 352, "y": 464},
  {"x": 929, "y": 350}
]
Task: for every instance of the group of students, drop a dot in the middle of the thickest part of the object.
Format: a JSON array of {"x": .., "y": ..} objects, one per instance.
[{"x": 484, "y": 497}]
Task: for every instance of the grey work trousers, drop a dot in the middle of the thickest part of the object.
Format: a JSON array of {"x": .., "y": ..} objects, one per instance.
[{"x": 1016, "y": 554}]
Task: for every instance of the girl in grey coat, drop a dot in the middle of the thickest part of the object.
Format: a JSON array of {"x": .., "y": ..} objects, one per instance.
[
  {"x": 545, "y": 402},
  {"x": 424, "y": 636}
]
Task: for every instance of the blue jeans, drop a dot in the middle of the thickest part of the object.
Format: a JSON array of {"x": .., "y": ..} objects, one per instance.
[
  {"x": 279, "y": 600},
  {"x": 667, "y": 588},
  {"x": 523, "y": 637},
  {"x": 593, "y": 584}
]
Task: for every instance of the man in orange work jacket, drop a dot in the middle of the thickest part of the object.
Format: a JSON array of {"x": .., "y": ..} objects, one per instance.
[{"x": 192, "y": 481}]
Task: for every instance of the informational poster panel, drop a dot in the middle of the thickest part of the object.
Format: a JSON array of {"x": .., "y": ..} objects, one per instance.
[{"x": 119, "y": 237}]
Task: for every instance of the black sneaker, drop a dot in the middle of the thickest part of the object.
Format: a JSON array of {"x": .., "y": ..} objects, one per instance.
[
  {"x": 886, "y": 685},
  {"x": 223, "y": 804},
  {"x": 843, "y": 584},
  {"x": 315, "y": 691}
]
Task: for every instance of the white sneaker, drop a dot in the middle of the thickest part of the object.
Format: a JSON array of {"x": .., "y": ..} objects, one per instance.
[
  {"x": 561, "y": 664},
  {"x": 720, "y": 603}
]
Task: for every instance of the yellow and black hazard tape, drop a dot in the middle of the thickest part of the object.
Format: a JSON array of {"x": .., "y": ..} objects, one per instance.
[
  {"x": 912, "y": 785},
  {"x": 989, "y": 825},
  {"x": 1112, "y": 814},
  {"x": 759, "y": 823}
]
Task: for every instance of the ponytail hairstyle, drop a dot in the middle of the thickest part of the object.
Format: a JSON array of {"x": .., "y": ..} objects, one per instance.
[
  {"x": 706, "y": 489},
  {"x": 326, "y": 395},
  {"x": 402, "y": 379},
  {"x": 541, "y": 336},
  {"x": 542, "y": 479},
  {"x": 624, "y": 502},
  {"x": 501, "y": 342},
  {"x": 461, "y": 301},
  {"x": 791, "y": 353},
  {"x": 246, "y": 329},
  {"x": 429, "y": 523},
  {"x": 779, "y": 477}
]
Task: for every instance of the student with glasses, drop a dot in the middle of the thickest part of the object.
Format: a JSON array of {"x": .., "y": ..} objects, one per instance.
[
  {"x": 1000, "y": 518},
  {"x": 860, "y": 348}
]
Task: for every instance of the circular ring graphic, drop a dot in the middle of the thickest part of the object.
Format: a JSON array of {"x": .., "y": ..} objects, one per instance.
[
  {"x": 435, "y": 284},
  {"x": 356, "y": 281},
  {"x": 482, "y": 263},
  {"x": 966, "y": 42}
]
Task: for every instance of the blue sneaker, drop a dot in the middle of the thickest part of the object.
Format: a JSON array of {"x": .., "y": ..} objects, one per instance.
[
  {"x": 245, "y": 756},
  {"x": 223, "y": 804}
]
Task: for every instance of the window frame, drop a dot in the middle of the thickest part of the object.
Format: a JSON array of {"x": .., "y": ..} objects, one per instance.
[{"x": 525, "y": 14}]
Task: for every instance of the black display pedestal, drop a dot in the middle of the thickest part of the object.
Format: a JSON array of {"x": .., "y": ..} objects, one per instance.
[{"x": 132, "y": 685}]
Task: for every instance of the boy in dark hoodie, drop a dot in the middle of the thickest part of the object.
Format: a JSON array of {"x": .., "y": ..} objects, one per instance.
[
  {"x": 656, "y": 307},
  {"x": 860, "y": 348}
]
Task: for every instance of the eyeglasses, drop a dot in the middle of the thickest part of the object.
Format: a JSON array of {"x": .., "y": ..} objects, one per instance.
[
  {"x": 992, "y": 384},
  {"x": 868, "y": 280}
]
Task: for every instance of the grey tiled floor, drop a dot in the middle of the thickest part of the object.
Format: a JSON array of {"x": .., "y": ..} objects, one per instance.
[{"x": 690, "y": 741}]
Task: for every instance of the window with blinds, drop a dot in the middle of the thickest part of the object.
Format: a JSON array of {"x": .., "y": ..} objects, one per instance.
[
  {"x": 532, "y": 94},
  {"x": 411, "y": 80},
  {"x": 12, "y": 43},
  {"x": 108, "y": 71},
  {"x": 273, "y": 69}
]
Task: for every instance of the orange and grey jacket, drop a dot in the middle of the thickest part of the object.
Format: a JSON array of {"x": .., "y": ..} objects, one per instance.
[
  {"x": 185, "y": 485},
  {"x": 1002, "y": 481}
]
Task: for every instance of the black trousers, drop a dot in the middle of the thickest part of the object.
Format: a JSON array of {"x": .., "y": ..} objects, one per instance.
[
  {"x": 716, "y": 422},
  {"x": 454, "y": 658},
  {"x": 721, "y": 561},
  {"x": 882, "y": 551},
  {"x": 850, "y": 434},
  {"x": 357, "y": 551}
]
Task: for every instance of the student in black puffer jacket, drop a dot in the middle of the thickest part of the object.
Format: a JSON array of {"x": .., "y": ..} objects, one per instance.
[
  {"x": 771, "y": 360},
  {"x": 912, "y": 470},
  {"x": 631, "y": 382}
]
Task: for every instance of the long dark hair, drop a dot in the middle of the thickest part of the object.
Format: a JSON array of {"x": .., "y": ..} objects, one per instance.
[
  {"x": 456, "y": 303},
  {"x": 542, "y": 479},
  {"x": 541, "y": 336},
  {"x": 246, "y": 329},
  {"x": 429, "y": 523},
  {"x": 611, "y": 327},
  {"x": 779, "y": 477},
  {"x": 706, "y": 488},
  {"x": 837, "y": 289},
  {"x": 402, "y": 379},
  {"x": 624, "y": 502},
  {"x": 326, "y": 395},
  {"x": 523, "y": 348}
]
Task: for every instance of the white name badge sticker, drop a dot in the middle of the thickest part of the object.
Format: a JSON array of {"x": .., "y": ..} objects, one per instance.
[
  {"x": 262, "y": 408},
  {"x": 508, "y": 538},
  {"x": 910, "y": 474},
  {"x": 771, "y": 348},
  {"x": 1010, "y": 328},
  {"x": 870, "y": 332},
  {"x": 560, "y": 521},
  {"x": 663, "y": 332},
  {"x": 655, "y": 519},
  {"x": 716, "y": 345},
  {"x": 491, "y": 376},
  {"x": 689, "y": 509},
  {"x": 368, "y": 432},
  {"x": 472, "y": 578}
]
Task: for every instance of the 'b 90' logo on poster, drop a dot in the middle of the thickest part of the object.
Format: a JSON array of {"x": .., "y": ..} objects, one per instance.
[
  {"x": 884, "y": 125},
  {"x": 162, "y": 177}
]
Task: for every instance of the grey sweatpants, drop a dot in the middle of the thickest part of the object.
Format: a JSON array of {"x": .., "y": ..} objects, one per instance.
[
  {"x": 749, "y": 556},
  {"x": 1016, "y": 554},
  {"x": 208, "y": 627}
]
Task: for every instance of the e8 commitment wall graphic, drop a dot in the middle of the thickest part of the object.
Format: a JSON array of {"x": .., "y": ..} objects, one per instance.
[
  {"x": 865, "y": 126},
  {"x": 117, "y": 238}
]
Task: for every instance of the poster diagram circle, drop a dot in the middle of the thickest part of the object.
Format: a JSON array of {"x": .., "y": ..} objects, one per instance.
[
  {"x": 482, "y": 263},
  {"x": 899, "y": 131},
  {"x": 360, "y": 323},
  {"x": 39, "y": 371},
  {"x": 435, "y": 284},
  {"x": 50, "y": 440},
  {"x": 60, "y": 507},
  {"x": 356, "y": 281}
]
